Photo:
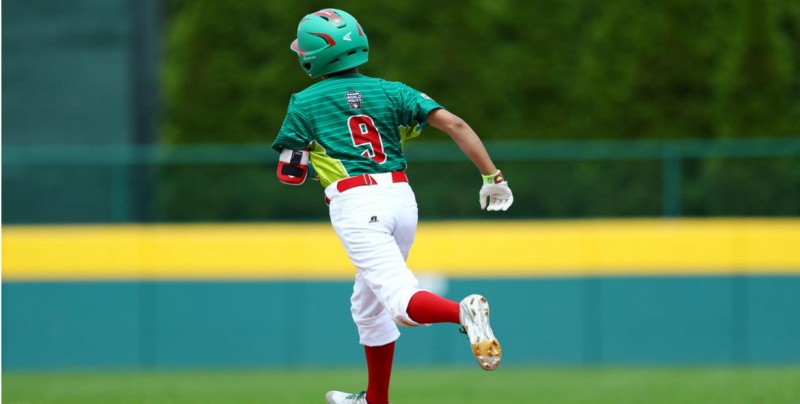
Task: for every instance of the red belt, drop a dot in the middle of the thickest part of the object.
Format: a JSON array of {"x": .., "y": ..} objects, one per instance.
[{"x": 364, "y": 179}]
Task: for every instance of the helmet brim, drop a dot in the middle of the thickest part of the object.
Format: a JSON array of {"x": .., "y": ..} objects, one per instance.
[{"x": 296, "y": 48}]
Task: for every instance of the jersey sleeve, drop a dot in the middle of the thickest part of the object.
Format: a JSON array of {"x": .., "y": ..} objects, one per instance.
[
  {"x": 415, "y": 107},
  {"x": 294, "y": 133}
]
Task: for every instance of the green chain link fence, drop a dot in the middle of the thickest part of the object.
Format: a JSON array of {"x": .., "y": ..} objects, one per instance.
[{"x": 551, "y": 179}]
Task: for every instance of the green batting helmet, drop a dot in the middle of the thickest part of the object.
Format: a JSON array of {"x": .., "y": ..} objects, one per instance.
[{"x": 330, "y": 41}]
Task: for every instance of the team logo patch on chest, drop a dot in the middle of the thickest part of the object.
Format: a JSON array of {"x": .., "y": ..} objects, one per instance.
[{"x": 354, "y": 98}]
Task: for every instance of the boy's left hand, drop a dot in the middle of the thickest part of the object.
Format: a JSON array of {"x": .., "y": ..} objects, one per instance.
[{"x": 495, "y": 189}]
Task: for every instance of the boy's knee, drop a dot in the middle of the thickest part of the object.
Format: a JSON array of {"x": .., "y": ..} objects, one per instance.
[{"x": 376, "y": 330}]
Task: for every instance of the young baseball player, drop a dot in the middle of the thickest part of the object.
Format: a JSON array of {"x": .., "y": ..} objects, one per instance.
[{"x": 352, "y": 129}]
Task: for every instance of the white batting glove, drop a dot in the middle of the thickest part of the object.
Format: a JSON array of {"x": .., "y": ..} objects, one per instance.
[{"x": 495, "y": 188}]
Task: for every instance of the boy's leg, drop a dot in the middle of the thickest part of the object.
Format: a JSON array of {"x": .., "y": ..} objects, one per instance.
[
  {"x": 376, "y": 327},
  {"x": 377, "y": 332},
  {"x": 383, "y": 283},
  {"x": 472, "y": 313},
  {"x": 378, "y": 248},
  {"x": 426, "y": 308},
  {"x": 379, "y": 369}
]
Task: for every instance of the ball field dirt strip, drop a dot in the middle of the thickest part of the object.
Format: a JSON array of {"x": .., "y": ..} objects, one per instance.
[{"x": 418, "y": 386}]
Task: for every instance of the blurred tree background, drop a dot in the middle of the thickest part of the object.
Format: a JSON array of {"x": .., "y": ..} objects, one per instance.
[{"x": 515, "y": 70}]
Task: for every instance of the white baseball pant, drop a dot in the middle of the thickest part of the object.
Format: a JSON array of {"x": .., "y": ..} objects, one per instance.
[{"x": 376, "y": 224}]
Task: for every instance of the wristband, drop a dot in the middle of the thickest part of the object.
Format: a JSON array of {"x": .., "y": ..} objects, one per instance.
[{"x": 495, "y": 178}]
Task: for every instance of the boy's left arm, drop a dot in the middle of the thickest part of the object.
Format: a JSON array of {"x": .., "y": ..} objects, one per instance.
[{"x": 495, "y": 187}]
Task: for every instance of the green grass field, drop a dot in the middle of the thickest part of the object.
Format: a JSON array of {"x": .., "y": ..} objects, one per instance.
[{"x": 415, "y": 386}]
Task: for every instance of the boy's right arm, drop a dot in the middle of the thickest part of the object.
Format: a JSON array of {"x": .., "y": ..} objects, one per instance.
[
  {"x": 293, "y": 166},
  {"x": 292, "y": 143},
  {"x": 495, "y": 187}
]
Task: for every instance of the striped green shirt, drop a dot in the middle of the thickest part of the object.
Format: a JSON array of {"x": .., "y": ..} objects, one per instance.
[{"x": 354, "y": 125}]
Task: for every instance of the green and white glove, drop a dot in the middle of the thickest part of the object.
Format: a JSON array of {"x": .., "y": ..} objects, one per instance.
[{"x": 495, "y": 189}]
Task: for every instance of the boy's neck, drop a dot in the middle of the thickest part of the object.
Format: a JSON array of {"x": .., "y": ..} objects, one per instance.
[{"x": 341, "y": 73}]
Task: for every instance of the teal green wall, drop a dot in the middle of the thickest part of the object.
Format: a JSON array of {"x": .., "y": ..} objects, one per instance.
[
  {"x": 67, "y": 71},
  {"x": 624, "y": 320}
]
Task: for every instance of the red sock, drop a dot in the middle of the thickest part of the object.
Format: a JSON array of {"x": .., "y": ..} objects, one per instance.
[
  {"x": 426, "y": 308},
  {"x": 379, "y": 369}
]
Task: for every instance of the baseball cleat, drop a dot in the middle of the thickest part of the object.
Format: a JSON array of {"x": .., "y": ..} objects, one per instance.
[
  {"x": 474, "y": 318},
  {"x": 338, "y": 397}
]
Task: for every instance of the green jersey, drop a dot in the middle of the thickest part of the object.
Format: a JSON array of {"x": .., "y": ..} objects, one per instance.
[{"x": 354, "y": 125}]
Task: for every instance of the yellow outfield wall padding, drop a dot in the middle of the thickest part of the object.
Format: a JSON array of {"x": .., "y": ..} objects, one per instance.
[{"x": 470, "y": 249}]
